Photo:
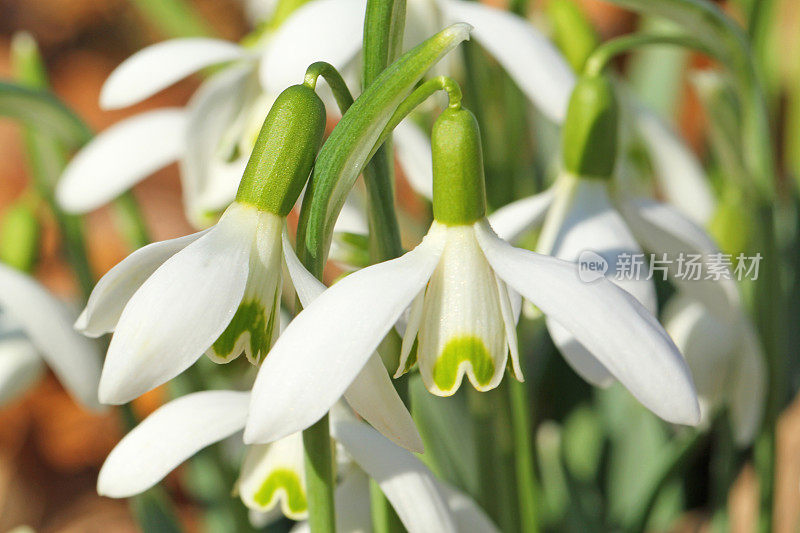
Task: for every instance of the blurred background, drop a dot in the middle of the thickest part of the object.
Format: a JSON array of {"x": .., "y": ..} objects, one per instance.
[{"x": 50, "y": 449}]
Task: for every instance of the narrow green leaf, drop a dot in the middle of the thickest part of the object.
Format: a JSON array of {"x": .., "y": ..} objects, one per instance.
[
  {"x": 40, "y": 109},
  {"x": 174, "y": 18}
]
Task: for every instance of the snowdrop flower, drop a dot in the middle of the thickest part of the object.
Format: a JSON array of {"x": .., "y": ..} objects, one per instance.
[
  {"x": 217, "y": 291},
  {"x": 583, "y": 217},
  {"x": 36, "y": 329},
  {"x": 458, "y": 284},
  {"x": 726, "y": 360},
  {"x": 272, "y": 475}
]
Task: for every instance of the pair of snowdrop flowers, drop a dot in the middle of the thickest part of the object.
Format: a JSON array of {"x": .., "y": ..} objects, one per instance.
[
  {"x": 36, "y": 329},
  {"x": 212, "y": 138}
]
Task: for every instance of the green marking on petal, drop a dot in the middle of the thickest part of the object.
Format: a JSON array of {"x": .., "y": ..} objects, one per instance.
[
  {"x": 458, "y": 350},
  {"x": 250, "y": 318},
  {"x": 288, "y": 481}
]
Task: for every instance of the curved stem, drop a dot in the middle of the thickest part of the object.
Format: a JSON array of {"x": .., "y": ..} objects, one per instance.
[
  {"x": 420, "y": 94},
  {"x": 344, "y": 99},
  {"x": 604, "y": 53}
]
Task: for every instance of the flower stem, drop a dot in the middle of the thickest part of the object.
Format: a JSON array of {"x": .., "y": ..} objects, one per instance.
[
  {"x": 607, "y": 51},
  {"x": 384, "y": 22},
  {"x": 521, "y": 419},
  {"x": 320, "y": 480}
]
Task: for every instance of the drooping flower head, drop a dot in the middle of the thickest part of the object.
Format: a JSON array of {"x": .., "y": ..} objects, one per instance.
[
  {"x": 217, "y": 291},
  {"x": 460, "y": 284},
  {"x": 588, "y": 216}
]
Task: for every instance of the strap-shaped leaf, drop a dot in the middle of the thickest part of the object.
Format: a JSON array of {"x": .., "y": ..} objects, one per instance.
[{"x": 40, "y": 109}]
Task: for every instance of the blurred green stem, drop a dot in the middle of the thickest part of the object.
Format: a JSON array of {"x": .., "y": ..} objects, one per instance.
[
  {"x": 174, "y": 18},
  {"x": 604, "y": 53}
]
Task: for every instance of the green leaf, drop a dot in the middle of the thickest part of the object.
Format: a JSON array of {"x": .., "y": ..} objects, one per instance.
[
  {"x": 174, "y": 18},
  {"x": 41, "y": 109}
]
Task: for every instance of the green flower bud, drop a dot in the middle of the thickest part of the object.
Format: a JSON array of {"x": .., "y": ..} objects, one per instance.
[
  {"x": 19, "y": 237},
  {"x": 589, "y": 137},
  {"x": 284, "y": 152},
  {"x": 459, "y": 193}
]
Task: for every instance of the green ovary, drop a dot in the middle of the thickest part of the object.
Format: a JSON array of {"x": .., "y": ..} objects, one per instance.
[
  {"x": 458, "y": 350},
  {"x": 288, "y": 481},
  {"x": 251, "y": 317}
]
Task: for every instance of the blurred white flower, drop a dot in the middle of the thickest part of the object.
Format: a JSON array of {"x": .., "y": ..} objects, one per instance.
[
  {"x": 579, "y": 215},
  {"x": 36, "y": 329},
  {"x": 726, "y": 360},
  {"x": 213, "y": 136}
]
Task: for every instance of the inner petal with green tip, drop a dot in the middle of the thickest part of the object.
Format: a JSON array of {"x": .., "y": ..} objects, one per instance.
[
  {"x": 254, "y": 327},
  {"x": 461, "y": 327}
]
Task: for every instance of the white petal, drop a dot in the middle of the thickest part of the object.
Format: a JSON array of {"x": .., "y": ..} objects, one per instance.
[
  {"x": 410, "y": 334},
  {"x": 120, "y": 157},
  {"x": 20, "y": 366},
  {"x": 111, "y": 294},
  {"x": 371, "y": 394},
  {"x": 326, "y": 346},
  {"x": 748, "y": 387},
  {"x": 469, "y": 517},
  {"x": 413, "y": 148},
  {"x": 169, "y": 436},
  {"x": 512, "y": 221},
  {"x": 181, "y": 309},
  {"x": 48, "y": 324},
  {"x": 680, "y": 174},
  {"x": 160, "y": 65},
  {"x": 591, "y": 225},
  {"x": 661, "y": 228},
  {"x": 308, "y": 36},
  {"x": 608, "y": 321},
  {"x": 409, "y": 486},
  {"x": 529, "y": 58},
  {"x": 510, "y": 319},
  {"x": 275, "y": 473},
  {"x": 209, "y": 172}
]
